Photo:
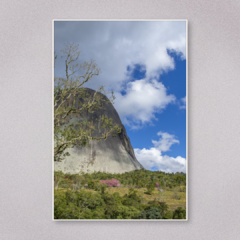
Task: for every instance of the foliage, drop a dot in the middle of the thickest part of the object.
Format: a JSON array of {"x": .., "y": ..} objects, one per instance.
[
  {"x": 76, "y": 204},
  {"x": 182, "y": 189},
  {"x": 176, "y": 194},
  {"x": 136, "y": 179},
  {"x": 161, "y": 206},
  {"x": 132, "y": 199},
  {"x": 179, "y": 213},
  {"x": 111, "y": 183},
  {"x": 71, "y": 98},
  {"x": 91, "y": 184},
  {"x": 150, "y": 188},
  {"x": 103, "y": 188},
  {"x": 151, "y": 213},
  {"x": 58, "y": 177},
  {"x": 127, "y": 212},
  {"x": 100, "y": 201}
]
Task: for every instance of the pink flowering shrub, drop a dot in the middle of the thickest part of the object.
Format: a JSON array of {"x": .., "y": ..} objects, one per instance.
[
  {"x": 157, "y": 184},
  {"x": 111, "y": 183}
]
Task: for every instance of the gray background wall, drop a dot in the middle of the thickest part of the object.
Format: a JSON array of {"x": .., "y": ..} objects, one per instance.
[{"x": 26, "y": 119}]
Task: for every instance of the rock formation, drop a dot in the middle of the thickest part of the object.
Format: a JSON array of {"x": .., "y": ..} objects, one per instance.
[{"x": 114, "y": 155}]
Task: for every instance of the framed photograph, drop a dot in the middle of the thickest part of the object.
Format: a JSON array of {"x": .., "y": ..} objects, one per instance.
[{"x": 120, "y": 120}]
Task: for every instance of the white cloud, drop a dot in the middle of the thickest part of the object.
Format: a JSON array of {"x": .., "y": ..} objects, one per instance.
[
  {"x": 182, "y": 103},
  {"x": 117, "y": 45},
  {"x": 165, "y": 142},
  {"x": 153, "y": 158},
  {"x": 141, "y": 101}
]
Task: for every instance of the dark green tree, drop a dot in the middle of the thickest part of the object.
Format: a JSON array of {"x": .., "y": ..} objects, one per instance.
[
  {"x": 179, "y": 213},
  {"x": 152, "y": 213}
]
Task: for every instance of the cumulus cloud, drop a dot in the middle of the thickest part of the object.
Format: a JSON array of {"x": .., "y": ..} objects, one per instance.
[
  {"x": 115, "y": 45},
  {"x": 182, "y": 104},
  {"x": 165, "y": 142},
  {"x": 153, "y": 158},
  {"x": 141, "y": 100},
  {"x": 118, "y": 46}
]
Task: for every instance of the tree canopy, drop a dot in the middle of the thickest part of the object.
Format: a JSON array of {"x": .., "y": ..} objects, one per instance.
[
  {"x": 86, "y": 196},
  {"x": 72, "y": 99}
]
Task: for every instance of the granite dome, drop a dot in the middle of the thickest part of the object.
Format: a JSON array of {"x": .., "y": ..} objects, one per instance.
[{"x": 114, "y": 155}]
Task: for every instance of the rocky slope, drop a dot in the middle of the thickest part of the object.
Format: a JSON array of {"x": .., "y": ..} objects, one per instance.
[{"x": 114, "y": 155}]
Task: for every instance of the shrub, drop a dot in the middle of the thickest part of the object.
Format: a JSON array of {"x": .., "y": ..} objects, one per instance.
[
  {"x": 117, "y": 198},
  {"x": 64, "y": 184},
  {"x": 161, "y": 206},
  {"x": 70, "y": 197},
  {"x": 111, "y": 183},
  {"x": 176, "y": 194},
  {"x": 91, "y": 184},
  {"x": 150, "y": 188},
  {"x": 111, "y": 211},
  {"x": 83, "y": 204},
  {"x": 133, "y": 195},
  {"x": 131, "y": 199},
  {"x": 98, "y": 213},
  {"x": 179, "y": 213},
  {"x": 125, "y": 212},
  {"x": 182, "y": 189},
  {"x": 97, "y": 186},
  {"x": 152, "y": 213},
  {"x": 88, "y": 199},
  {"x": 168, "y": 215},
  {"x": 103, "y": 188}
]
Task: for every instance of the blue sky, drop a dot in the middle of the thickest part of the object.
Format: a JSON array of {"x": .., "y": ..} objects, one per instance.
[
  {"x": 144, "y": 63},
  {"x": 173, "y": 118}
]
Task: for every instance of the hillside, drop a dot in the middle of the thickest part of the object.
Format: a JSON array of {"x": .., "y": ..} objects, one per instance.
[{"x": 141, "y": 194}]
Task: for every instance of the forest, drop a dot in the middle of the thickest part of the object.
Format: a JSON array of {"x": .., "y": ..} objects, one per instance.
[{"x": 140, "y": 194}]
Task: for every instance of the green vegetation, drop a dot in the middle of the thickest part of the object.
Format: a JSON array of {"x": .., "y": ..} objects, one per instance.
[
  {"x": 82, "y": 196},
  {"x": 71, "y": 99}
]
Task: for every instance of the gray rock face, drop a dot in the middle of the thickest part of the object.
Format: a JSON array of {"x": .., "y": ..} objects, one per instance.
[{"x": 114, "y": 155}]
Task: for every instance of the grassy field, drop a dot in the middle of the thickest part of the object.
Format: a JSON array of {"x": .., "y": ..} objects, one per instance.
[
  {"x": 165, "y": 196},
  {"x": 172, "y": 197},
  {"x": 131, "y": 195}
]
